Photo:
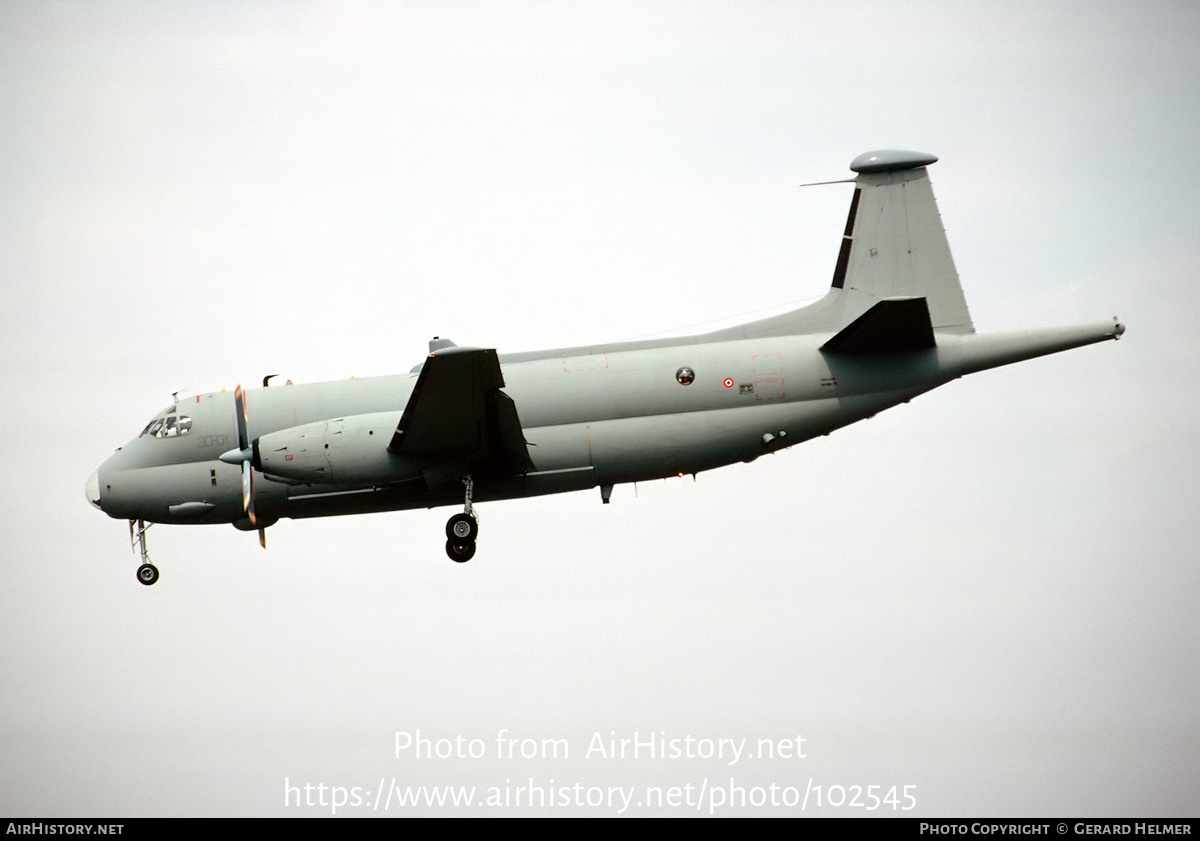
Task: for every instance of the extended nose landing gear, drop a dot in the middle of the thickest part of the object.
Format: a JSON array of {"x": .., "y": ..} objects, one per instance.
[
  {"x": 147, "y": 573},
  {"x": 462, "y": 529}
]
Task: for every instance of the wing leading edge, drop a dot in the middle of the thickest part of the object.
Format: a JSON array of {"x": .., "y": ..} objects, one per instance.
[{"x": 458, "y": 418}]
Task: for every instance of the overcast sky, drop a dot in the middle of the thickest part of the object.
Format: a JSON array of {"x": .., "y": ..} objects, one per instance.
[{"x": 988, "y": 594}]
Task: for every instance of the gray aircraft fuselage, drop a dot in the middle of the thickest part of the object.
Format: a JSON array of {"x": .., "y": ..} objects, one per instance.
[
  {"x": 893, "y": 325},
  {"x": 592, "y": 416}
]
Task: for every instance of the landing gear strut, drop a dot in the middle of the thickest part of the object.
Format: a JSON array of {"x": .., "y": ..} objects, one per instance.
[
  {"x": 147, "y": 573},
  {"x": 462, "y": 529}
]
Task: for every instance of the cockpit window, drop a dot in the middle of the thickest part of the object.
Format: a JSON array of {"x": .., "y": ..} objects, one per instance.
[{"x": 171, "y": 426}]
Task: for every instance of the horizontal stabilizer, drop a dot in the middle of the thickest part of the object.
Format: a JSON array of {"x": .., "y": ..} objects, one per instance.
[{"x": 894, "y": 325}]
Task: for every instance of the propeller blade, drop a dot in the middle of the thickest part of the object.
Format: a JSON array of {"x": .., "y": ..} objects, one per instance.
[
  {"x": 247, "y": 488},
  {"x": 247, "y": 470},
  {"x": 239, "y": 401},
  {"x": 262, "y": 538}
]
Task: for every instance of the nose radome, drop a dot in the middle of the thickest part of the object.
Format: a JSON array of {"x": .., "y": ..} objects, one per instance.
[{"x": 92, "y": 489}]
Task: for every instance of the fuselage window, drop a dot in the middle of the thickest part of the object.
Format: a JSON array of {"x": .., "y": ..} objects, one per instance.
[{"x": 685, "y": 376}]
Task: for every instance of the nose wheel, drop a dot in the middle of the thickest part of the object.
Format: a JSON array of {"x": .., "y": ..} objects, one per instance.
[
  {"x": 462, "y": 529},
  {"x": 147, "y": 573}
]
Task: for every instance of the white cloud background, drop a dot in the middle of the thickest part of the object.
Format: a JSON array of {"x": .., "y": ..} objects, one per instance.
[{"x": 988, "y": 594}]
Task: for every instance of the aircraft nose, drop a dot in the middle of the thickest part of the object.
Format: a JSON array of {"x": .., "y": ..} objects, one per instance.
[{"x": 92, "y": 489}]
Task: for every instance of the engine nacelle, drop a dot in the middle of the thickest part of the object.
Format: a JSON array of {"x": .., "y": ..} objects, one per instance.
[{"x": 349, "y": 451}]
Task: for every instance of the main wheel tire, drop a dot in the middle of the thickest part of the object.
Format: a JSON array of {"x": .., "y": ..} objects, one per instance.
[
  {"x": 462, "y": 528},
  {"x": 147, "y": 574},
  {"x": 459, "y": 552}
]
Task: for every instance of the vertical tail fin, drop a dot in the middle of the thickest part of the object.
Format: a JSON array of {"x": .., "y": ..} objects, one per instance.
[{"x": 893, "y": 246}]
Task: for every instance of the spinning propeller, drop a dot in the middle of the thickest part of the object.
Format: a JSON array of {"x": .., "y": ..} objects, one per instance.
[{"x": 243, "y": 455}]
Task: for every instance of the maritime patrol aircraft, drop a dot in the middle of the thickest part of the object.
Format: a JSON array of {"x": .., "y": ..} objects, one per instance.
[{"x": 470, "y": 424}]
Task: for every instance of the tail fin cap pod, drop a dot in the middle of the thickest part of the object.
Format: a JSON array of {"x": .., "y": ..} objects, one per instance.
[{"x": 891, "y": 160}]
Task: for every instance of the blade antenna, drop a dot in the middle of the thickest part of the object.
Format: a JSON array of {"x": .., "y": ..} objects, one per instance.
[{"x": 820, "y": 183}]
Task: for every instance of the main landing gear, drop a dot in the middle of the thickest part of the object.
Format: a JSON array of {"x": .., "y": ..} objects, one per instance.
[
  {"x": 462, "y": 529},
  {"x": 147, "y": 573}
]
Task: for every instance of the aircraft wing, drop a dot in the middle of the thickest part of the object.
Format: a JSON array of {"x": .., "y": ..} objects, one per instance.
[{"x": 458, "y": 416}]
